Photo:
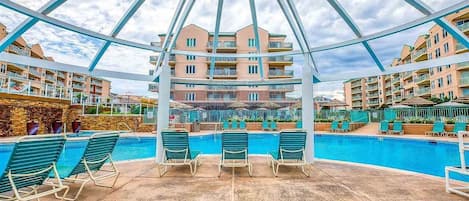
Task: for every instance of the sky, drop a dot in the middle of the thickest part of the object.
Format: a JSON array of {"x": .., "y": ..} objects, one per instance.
[{"x": 322, "y": 26}]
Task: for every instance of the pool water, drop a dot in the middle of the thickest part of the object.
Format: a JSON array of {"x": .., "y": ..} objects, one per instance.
[{"x": 423, "y": 156}]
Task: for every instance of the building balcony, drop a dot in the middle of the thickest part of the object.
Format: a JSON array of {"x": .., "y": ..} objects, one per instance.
[
  {"x": 50, "y": 78},
  {"x": 464, "y": 27},
  {"x": 18, "y": 50},
  {"x": 463, "y": 65},
  {"x": 34, "y": 72},
  {"x": 224, "y": 60},
  {"x": 17, "y": 67},
  {"x": 388, "y": 93},
  {"x": 280, "y": 46},
  {"x": 16, "y": 76},
  {"x": 61, "y": 84},
  {"x": 358, "y": 104},
  {"x": 281, "y": 60},
  {"x": 423, "y": 91},
  {"x": 460, "y": 48},
  {"x": 407, "y": 75},
  {"x": 281, "y": 88},
  {"x": 280, "y": 73},
  {"x": 372, "y": 95},
  {"x": 221, "y": 99},
  {"x": 78, "y": 79},
  {"x": 371, "y": 80},
  {"x": 395, "y": 90},
  {"x": 396, "y": 80},
  {"x": 96, "y": 82},
  {"x": 356, "y": 97},
  {"x": 422, "y": 79},
  {"x": 397, "y": 99},
  {"x": 78, "y": 86},
  {"x": 221, "y": 88},
  {"x": 355, "y": 91},
  {"x": 423, "y": 70},
  {"x": 223, "y": 73},
  {"x": 61, "y": 75},
  {"x": 373, "y": 102},
  {"x": 420, "y": 54},
  {"x": 154, "y": 59},
  {"x": 387, "y": 85},
  {"x": 223, "y": 46},
  {"x": 356, "y": 84},
  {"x": 373, "y": 88},
  {"x": 464, "y": 82},
  {"x": 388, "y": 101},
  {"x": 410, "y": 95}
]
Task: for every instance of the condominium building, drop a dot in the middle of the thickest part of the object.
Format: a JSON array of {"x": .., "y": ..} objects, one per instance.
[
  {"x": 451, "y": 81},
  {"x": 195, "y": 38},
  {"x": 34, "y": 80}
]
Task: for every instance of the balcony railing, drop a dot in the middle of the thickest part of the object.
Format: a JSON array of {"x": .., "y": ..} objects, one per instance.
[
  {"x": 223, "y": 72},
  {"x": 50, "y": 77},
  {"x": 78, "y": 86},
  {"x": 97, "y": 82},
  {"x": 358, "y": 104},
  {"x": 356, "y": 97},
  {"x": 273, "y": 98},
  {"x": 280, "y": 45},
  {"x": 221, "y": 88},
  {"x": 371, "y": 80},
  {"x": 61, "y": 74},
  {"x": 463, "y": 64},
  {"x": 19, "y": 50},
  {"x": 388, "y": 93},
  {"x": 34, "y": 72},
  {"x": 222, "y": 44},
  {"x": 209, "y": 98},
  {"x": 223, "y": 59},
  {"x": 282, "y": 87},
  {"x": 79, "y": 79},
  {"x": 356, "y": 84},
  {"x": 464, "y": 81},
  {"x": 372, "y": 88},
  {"x": 281, "y": 59},
  {"x": 373, "y": 102},
  {"x": 356, "y": 91},
  {"x": 388, "y": 84},
  {"x": 396, "y": 79},
  {"x": 419, "y": 52},
  {"x": 397, "y": 98},
  {"x": 280, "y": 73},
  {"x": 423, "y": 91},
  {"x": 61, "y": 84},
  {"x": 421, "y": 78},
  {"x": 396, "y": 90},
  {"x": 460, "y": 46},
  {"x": 372, "y": 94},
  {"x": 16, "y": 75},
  {"x": 464, "y": 27}
]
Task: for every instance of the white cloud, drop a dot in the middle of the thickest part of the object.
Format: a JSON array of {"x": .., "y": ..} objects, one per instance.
[{"x": 323, "y": 26}]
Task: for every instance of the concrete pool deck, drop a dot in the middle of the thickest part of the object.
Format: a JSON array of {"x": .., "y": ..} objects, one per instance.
[{"x": 329, "y": 181}]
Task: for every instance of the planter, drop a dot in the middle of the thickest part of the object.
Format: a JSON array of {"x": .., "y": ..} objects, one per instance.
[
  {"x": 416, "y": 129},
  {"x": 57, "y": 126},
  {"x": 76, "y": 126},
  {"x": 32, "y": 128}
]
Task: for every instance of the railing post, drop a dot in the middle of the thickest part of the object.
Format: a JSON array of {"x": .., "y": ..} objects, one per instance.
[
  {"x": 45, "y": 92},
  {"x": 125, "y": 109},
  {"x": 97, "y": 108},
  {"x": 140, "y": 110},
  {"x": 8, "y": 84},
  {"x": 112, "y": 110},
  {"x": 29, "y": 88}
]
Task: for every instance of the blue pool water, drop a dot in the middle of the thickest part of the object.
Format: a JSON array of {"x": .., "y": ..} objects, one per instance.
[{"x": 414, "y": 155}]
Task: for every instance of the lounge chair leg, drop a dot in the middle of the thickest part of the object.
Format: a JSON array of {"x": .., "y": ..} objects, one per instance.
[
  {"x": 250, "y": 169},
  {"x": 219, "y": 170},
  {"x": 303, "y": 170},
  {"x": 273, "y": 168}
]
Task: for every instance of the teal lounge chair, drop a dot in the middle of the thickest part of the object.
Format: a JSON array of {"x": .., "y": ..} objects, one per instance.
[
  {"x": 299, "y": 124},
  {"x": 234, "y": 146},
  {"x": 265, "y": 125},
  {"x": 90, "y": 166},
  {"x": 291, "y": 150},
  {"x": 384, "y": 127},
  {"x": 438, "y": 129},
  {"x": 226, "y": 125},
  {"x": 242, "y": 125},
  {"x": 334, "y": 126},
  {"x": 177, "y": 151},
  {"x": 234, "y": 125},
  {"x": 397, "y": 128},
  {"x": 345, "y": 126},
  {"x": 273, "y": 125},
  {"x": 458, "y": 126},
  {"x": 32, "y": 160}
]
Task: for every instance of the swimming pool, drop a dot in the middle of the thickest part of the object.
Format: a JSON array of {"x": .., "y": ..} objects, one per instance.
[{"x": 423, "y": 156}]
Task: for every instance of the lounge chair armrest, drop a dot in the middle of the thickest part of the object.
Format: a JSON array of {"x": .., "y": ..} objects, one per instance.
[
  {"x": 98, "y": 161},
  {"x": 175, "y": 151},
  {"x": 291, "y": 151},
  {"x": 234, "y": 152},
  {"x": 31, "y": 174}
]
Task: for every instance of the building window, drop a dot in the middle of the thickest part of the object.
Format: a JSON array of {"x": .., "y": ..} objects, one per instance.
[
  {"x": 448, "y": 66},
  {"x": 437, "y": 53},
  {"x": 445, "y": 33},
  {"x": 251, "y": 42},
  {"x": 431, "y": 71},
  {"x": 436, "y": 38},
  {"x": 3, "y": 68},
  {"x": 253, "y": 96},
  {"x": 439, "y": 68},
  {"x": 442, "y": 95},
  {"x": 190, "y": 69},
  {"x": 429, "y": 43},
  {"x": 440, "y": 82},
  {"x": 253, "y": 86},
  {"x": 430, "y": 56},
  {"x": 252, "y": 58},
  {"x": 433, "y": 84},
  {"x": 190, "y": 96},
  {"x": 450, "y": 95},
  {"x": 190, "y": 57},
  {"x": 449, "y": 79},
  {"x": 190, "y": 86},
  {"x": 446, "y": 47},
  {"x": 253, "y": 69},
  {"x": 191, "y": 42}
]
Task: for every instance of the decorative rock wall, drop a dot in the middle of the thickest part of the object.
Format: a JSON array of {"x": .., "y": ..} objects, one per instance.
[{"x": 5, "y": 121}]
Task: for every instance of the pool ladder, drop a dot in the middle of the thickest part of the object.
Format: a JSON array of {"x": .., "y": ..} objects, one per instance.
[{"x": 129, "y": 129}]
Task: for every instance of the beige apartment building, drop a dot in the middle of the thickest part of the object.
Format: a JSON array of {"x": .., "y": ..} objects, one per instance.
[
  {"x": 33, "y": 80},
  {"x": 450, "y": 81},
  {"x": 195, "y": 38}
]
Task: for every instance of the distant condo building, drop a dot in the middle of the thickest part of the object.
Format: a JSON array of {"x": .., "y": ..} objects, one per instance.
[
  {"x": 34, "y": 80},
  {"x": 449, "y": 81},
  {"x": 195, "y": 38}
]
